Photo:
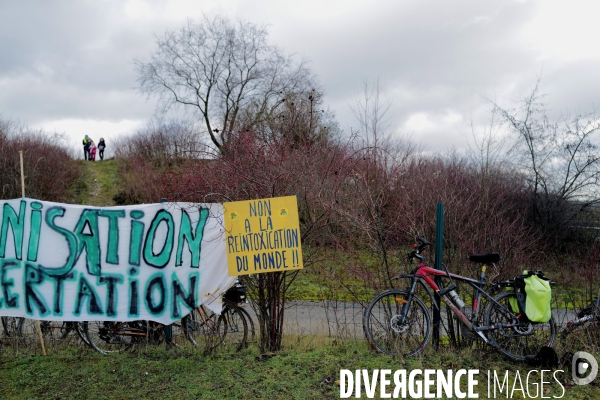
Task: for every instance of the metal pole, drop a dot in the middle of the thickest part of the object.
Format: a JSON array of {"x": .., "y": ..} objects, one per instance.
[
  {"x": 37, "y": 321},
  {"x": 168, "y": 328},
  {"x": 439, "y": 239}
]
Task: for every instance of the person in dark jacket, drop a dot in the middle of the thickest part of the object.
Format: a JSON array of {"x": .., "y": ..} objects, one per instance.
[{"x": 101, "y": 147}]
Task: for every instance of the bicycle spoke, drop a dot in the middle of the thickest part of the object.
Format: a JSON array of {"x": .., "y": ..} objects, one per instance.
[
  {"x": 202, "y": 329},
  {"x": 388, "y": 333},
  {"x": 109, "y": 337},
  {"x": 237, "y": 327},
  {"x": 523, "y": 340}
]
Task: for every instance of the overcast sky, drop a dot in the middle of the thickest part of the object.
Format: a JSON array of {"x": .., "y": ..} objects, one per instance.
[{"x": 67, "y": 65}]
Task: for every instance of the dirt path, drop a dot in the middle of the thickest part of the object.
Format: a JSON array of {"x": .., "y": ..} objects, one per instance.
[{"x": 100, "y": 183}]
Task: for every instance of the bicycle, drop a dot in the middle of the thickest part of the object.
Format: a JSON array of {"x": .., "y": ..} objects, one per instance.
[
  {"x": 205, "y": 329},
  {"x": 237, "y": 295},
  {"x": 250, "y": 322},
  {"x": 24, "y": 330},
  {"x": 11, "y": 325},
  {"x": 587, "y": 317},
  {"x": 397, "y": 322},
  {"x": 115, "y": 337}
]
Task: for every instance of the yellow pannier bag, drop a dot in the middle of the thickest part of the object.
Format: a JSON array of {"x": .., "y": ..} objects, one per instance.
[{"x": 533, "y": 296}]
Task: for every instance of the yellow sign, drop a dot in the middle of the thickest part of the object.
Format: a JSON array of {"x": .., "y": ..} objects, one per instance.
[{"x": 263, "y": 236}]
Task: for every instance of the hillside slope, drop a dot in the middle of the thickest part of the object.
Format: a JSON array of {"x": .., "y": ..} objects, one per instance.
[{"x": 98, "y": 184}]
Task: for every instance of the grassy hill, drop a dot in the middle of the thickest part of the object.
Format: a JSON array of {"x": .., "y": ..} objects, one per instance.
[{"x": 98, "y": 184}]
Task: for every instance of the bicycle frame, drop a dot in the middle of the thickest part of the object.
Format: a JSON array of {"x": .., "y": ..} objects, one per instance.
[
  {"x": 425, "y": 275},
  {"x": 397, "y": 322},
  {"x": 589, "y": 314},
  {"x": 126, "y": 329},
  {"x": 205, "y": 318}
]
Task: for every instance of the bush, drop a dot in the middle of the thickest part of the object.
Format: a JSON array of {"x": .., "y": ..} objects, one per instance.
[{"x": 50, "y": 171}]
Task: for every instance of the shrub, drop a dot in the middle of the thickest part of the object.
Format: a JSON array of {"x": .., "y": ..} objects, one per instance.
[{"x": 50, "y": 172}]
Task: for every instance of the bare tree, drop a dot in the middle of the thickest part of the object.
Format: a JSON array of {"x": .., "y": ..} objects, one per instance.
[
  {"x": 219, "y": 70},
  {"x": 372, "y": 114},
  {"x": 383, "y": 156},
  {"x": 560, "y": 159},
  {"x": 299, "y": 118},
  {"x": 489, "y": 147},
  {"x": 165, "y": 142}
]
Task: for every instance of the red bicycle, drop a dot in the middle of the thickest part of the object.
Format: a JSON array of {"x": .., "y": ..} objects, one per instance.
[{"x": 397, "y": 321}]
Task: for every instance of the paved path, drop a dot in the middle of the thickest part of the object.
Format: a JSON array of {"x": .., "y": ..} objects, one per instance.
[{"x": 345, "y": 318}]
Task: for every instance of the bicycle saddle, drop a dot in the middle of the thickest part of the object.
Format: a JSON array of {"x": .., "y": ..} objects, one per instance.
[{"x": 485, "y": 258}]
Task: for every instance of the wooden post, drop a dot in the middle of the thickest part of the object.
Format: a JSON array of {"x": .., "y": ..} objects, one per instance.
[{"x": 37, "y": 321}]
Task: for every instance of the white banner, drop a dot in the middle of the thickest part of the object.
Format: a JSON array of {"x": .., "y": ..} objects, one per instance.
[{"x": 80, "y": 263}]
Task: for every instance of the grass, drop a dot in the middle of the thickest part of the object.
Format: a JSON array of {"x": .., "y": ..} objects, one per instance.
[
  {"x": 331, "y": 278},
  {"x": 306, "y": 370},
  {"x": 98, "y": 184}
]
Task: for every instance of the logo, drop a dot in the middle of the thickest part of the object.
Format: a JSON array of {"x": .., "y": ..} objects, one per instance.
[{"x": 584, "y": 368}]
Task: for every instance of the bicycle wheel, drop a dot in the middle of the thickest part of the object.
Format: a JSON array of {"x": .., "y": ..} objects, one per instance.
[
  {"x": 21, "y": 332},
  {"x": 13, "y": 331},
  {"x": 154, "y": 332},
  {"x": 236, "y": 330},
  {"x": 251, "y": 330},
  {"x": 521, "y": 341},
  {"x": 58, "y": 332},
  {"x": 109, "y": 337},
  {"x": 79, "y": 328},
  {"x": 202, "y": 329},
  {"x": 386, "y": 333}
]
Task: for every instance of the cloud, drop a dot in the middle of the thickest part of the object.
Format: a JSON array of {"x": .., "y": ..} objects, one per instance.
[{"x": 72, "y": 60}]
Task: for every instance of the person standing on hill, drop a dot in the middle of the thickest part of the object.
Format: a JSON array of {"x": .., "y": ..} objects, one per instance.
[
  {"x": 86, "y": 147},
  {"x": 93, "y": 149},
  {"x": 101, "y": 147}
]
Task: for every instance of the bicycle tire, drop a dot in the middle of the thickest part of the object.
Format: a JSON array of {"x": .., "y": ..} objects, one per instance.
[
  {"x": 104, "y": 337},
  {"x": 201, "y": 328},
  {"x": 381, "y": 328},
  {"x": 22, "y": 332},
  {"x": 251, "y": 330},
  {"x": 13, "y": 331},
  {"x": 517, "y": 343},
  {"x": 79, "y": 328},
  {"x": 236, "y": 332},
  {"x": 58, "y": 332}
]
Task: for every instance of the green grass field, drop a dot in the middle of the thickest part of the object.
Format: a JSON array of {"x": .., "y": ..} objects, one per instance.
[{"x": 307, "y": 369}]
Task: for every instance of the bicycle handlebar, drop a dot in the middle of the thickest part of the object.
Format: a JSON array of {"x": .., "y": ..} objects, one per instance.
[{"x": 418, "y": 248}]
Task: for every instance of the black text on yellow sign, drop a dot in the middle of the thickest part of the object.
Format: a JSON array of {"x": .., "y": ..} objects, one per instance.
[{"x": 263, "y": 236}]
